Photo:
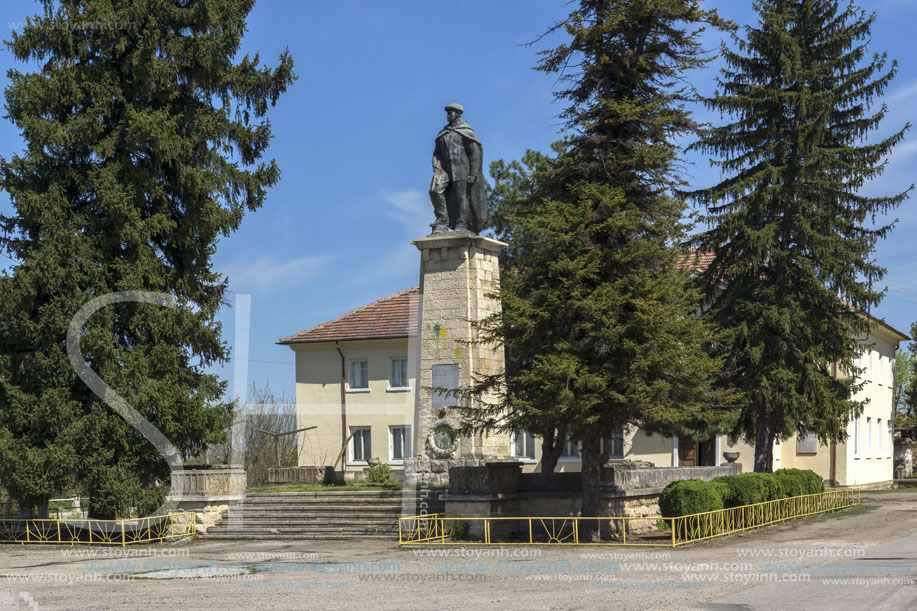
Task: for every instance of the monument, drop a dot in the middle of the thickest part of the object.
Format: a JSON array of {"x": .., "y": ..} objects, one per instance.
[
  {"x": 457, "y": 188},
  {"x": 459, "y": 280}
]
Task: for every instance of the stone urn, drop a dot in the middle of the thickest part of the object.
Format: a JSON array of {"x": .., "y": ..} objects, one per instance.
[{"x": 731, "y": 457}]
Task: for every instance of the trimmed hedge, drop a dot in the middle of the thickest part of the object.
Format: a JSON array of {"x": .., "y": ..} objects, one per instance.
[
  {"x": 689, "y": 496},
  {"x": 797, "y": 482},
  {"x": 749, "y": 488}
]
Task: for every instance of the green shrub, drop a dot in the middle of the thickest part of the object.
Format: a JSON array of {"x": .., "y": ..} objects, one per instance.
[
  {"x": 689, "y": 496},
  {"x": 460, "y": 530},
  {"x": 722, "y": 488},
  {"x": 797, "y": 482},
  {"x": 749, "y": 488},
  {"x": 381, "y": 475}
]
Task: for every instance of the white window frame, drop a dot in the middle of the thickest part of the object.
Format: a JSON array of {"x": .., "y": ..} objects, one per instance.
[
  {"x": 891, "y": 437},
  {"x": 857, "y": 438},
  {"x": 869, "y": 363},
  {"x": 512, "y": 446},
  {"x": 881, "y": 360},
  {"x": 891, "y": 372},
  {"x": 868, "y": 436},
  {"x": 405, "y": 444},
  {"x": 350, "y": 364},
  {"x": 352, "y": 446},
  {"x": 880, "y": 436},
  {"x": 777, "y": 447},
  {"x": 407, "y": 374}
]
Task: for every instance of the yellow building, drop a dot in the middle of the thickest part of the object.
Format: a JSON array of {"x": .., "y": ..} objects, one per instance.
[{"x": 354, "y": 382}]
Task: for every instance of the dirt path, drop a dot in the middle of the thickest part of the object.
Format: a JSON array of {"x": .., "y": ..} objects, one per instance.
[{"x": 861, "y": 556}]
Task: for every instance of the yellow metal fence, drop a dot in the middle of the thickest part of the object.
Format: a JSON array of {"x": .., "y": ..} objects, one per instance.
[
  {"x": 97, "y": 532},
  {"x": 445, "y": 529}
]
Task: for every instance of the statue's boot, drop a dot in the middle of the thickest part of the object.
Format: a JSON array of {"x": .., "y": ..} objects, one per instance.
[{"x": 441, "y": 224}]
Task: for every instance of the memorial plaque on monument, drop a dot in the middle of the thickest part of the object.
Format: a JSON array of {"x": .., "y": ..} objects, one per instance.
[{"x": 445, "y": 376}]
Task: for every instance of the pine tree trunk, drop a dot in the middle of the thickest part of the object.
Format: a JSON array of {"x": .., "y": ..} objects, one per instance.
[
  {"x": 592, "y": 470},
  {"x": 764, "y": 442},
  {"x": 552, "y": 445}
]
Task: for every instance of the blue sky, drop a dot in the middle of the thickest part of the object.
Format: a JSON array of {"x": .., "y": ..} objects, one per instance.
[{"x": 354, "y": 138}]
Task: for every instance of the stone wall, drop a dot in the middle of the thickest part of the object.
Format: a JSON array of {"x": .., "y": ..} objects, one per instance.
[
  {"x": 500, "y": 489},
  {"x": 194, "y": 489},
  {"x": 295, "y": 475},
  {"x": 625, "y": 478}
]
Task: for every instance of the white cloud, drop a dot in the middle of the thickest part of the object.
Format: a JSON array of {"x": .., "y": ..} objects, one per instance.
[
  {"x": 411, "y": 208},
  {"x": 908, "y": 92},
  {"x": 402, "y": 263},
  {"x": 265, "y": 274}
]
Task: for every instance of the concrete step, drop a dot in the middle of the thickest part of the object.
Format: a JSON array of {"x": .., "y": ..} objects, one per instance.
[
  {"x": 336, "y": 506},
  {"x": 322, "y": 515},
  {"x": 306, "y": 522},
  {"x": 317, "y": 513},
  {"x": 281, "y": 529},
  {"x": 246, "y": 536}
]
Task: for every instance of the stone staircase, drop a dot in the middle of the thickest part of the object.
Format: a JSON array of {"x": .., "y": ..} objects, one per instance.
[{"x": 371, "y": 514}]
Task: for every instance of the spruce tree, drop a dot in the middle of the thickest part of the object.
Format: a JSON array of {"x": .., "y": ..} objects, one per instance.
[
  {"x": 791, "y": 232},
  {"x": 528, "y": 400},
  {"x": 597, "y": 295},
  {"x": 144, "y": 137}
]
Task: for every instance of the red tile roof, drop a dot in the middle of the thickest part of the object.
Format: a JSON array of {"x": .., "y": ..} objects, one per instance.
[
  {"x": 700, "y": 260},
  {"x": 391, "y": 317}
]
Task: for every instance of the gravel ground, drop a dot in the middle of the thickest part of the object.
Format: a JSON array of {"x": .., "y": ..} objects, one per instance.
[{"x": 863, "y": 557}]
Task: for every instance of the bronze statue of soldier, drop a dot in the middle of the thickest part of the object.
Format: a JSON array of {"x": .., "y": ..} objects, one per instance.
[{"x": 457, "y": 188}]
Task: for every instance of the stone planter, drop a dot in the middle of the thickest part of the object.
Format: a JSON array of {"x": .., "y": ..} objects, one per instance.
[{"x": 196, "y": 488}]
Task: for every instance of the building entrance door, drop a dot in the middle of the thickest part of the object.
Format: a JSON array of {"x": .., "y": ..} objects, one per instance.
[{"x": 687, "y": 452}]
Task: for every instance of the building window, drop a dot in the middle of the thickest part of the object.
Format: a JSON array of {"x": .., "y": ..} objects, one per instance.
[
  {"x": 359, "y": 375},
  {"x": 398, "y": 374},
  {"x": 869, "y": 363},
  {"x": 891, "y": 439},
  {"x": 891, "y": 372},
  {"x": 806, "y": 443},
  {"x": 881, "y": 368},
  {"x": 571, "y": 449},
  {"x": 777, "y": 447},
  {"x": 614, "y": 446},
  {"x": 523, "y": 445},
  {"x": 879, "y": 435},
  {"x": 856, "y": 438},
  {"x": 868, "y": 437},
  {"x": 399, "y": 441},
  {"x": 360, "y": 444}
]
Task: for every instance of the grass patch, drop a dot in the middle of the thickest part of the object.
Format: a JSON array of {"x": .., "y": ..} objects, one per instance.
[{"x": 905, "y": 490}]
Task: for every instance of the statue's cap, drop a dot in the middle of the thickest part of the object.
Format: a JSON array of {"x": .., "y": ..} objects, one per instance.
[{"x": 455, "y": 106}]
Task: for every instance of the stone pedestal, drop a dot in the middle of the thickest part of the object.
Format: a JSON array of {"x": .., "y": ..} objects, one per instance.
[{"x": 459, "y": 279}]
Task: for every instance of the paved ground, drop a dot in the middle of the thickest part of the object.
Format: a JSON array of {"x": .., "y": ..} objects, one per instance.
[{"x": 861, "y": 558}]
